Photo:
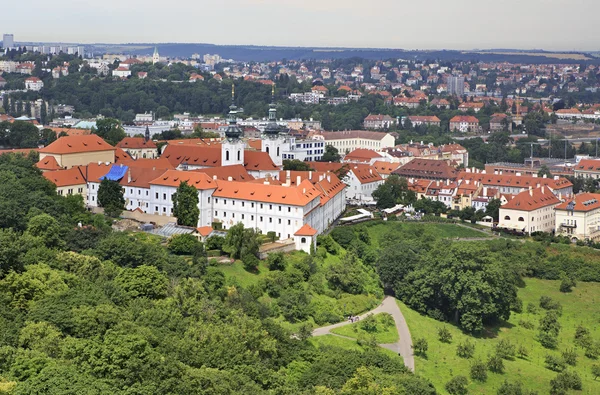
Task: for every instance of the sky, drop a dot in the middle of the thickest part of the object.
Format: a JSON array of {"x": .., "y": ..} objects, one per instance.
[{"x": 406, "y": 24}]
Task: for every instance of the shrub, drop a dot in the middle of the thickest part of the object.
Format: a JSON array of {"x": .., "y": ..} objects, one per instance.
[
  {"x": 555, "y": 363},
  {"x": 592, "y": 351},
  {"x": 517, "y": 305},
  {"x": 214, "y": 243},
  {"x": 444, "y": 335},
  {"x": 466, "y": 350},
  {"x": 386, "y": 320},
  {"x": 184, "y": 244},
  {"x": 567, "y": 284},
  {"x": 595, "y": 371},
  {"x": 526, "y": 324},
  {"x": 522, "y": 352},
  {"x": 479, "y": 371},
  {"x": 570, "y": 357},
  {"x": 495, "y": 364},
  {"x": 582, "y": 336},
  {"x": 507, "y": 388},
  {"x": 505, "y": 349},
  {"x": 368, "y": 324},
  {"x": 420, "y": 346},
  {"x": 343, "y": 235},
  {"x": 547, "y": 303},
  {"x": 213, "y": 253},
  {"x": 457, "y": 385},
  {"x": 532, "y": 308},
  {"x": 565, "y": 381},
  {"x": 250, "y": 262},
  {"x": 366, "y": 340},
  {"x": 276, "y": 261},
  {"x": 548, "y": 340}
]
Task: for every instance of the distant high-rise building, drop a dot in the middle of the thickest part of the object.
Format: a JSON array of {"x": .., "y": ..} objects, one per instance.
[
  {"x": 8, "y": 41},
  {"x": 456, "y": 85}
]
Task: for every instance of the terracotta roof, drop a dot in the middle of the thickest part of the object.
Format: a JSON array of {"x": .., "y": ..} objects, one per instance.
[
  {"x": 327, "y": 166},
  {"x": 136, "y": 143},
  {"x": 141, "y": 177},
  {"x": 427, "y": 168},
  {"x": 173, "y": 178},
  {"x": 48, "y": 163},
  {"x": 365, "y": 173},
  {"x": 255, "y": 143},
  {"x": 193, "y": 155},
  {"x": 512, "y": 180},
  {"x": 362, "y": 154},
  {"x": 299, "y": 195},
  {"x": 532, "y": 199},
  {"x": 306, "y": 230},
  {"x": 205, "y": 231},
  {"x": 379, "y": 117},
  {"x": 227, "y": 173},
  {"x": 70, "y": 131},
  {"x": 197, "y": 142},
  {"x": 385, "y": 167},
  {"x": 257, "y": 160},
  {"x": 588, "y": 165},
  {"x": 146, "y": 163},
  {"x": 424, "y": 118},
  {"x": 94, "y": 171},
  {"x": 464, "y": 119},
  {"x": 121, "y": 155},
  {"x": 77, "y": 144},
  {"x": 581, "y": 202},
  {"x": 353, "y": 134},
  {"x": 66, "y": 177}
]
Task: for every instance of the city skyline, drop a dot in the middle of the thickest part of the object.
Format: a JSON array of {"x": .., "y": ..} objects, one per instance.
[{"x": 466, "y": 25}]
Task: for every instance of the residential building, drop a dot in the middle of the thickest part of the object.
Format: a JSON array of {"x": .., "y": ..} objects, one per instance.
[
  {"x": 464, "y": 124},
  {"x": 362, "y": 180},
  {"x": 8, "y": 41},
  {"x": 530, "y": 211},
  {"x": 579, "y": 217},
  {"x": 588, "y": 168},
  {"x": 348, "y": 141},
  {"x": 427, "y": 169},
  {"x": 33, "y": 84},
  {"x": 513, "y": 184},
  {"x": 428, "y": 120},
  {"x": 139, "y": 147},
  {"x": 362, "y": 155},
  {"x": 500, "y": 123},
  {"x": 378, "y": 121},
  {"x": 456, "y": 85},
  {"x": 121, "y": 72}
]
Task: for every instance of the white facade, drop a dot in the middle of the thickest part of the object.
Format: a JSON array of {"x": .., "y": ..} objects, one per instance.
[
  {"x": 579, "y": 219},
  {"x": 360, "y": 191},
  {"x": 33, "y": 84},
  {"x": 232, "y": 152}
]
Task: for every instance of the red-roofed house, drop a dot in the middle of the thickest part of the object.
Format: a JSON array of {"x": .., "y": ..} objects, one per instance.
[
  {"x": 362, "y": 180},
  {"x": 306, "y": 238},
  {"x": 579, "y": 218},
  {"x": 530, "y": 211},
  {"x": 362, "y": 155},
  {"x": 378, "y": 121},
  {"x": 588, "y": 168},
  {"x": 72, "y": 151},
  {"x": 464, "y": 123},
  {"x": 138, "y": 147},
  {"x": 33, "y": 84}
]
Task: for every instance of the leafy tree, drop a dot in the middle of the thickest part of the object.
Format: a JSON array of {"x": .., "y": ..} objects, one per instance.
[
  {"x": 347, "y": 275},
  {"x": 184, "y": 244},
  {"x": 143, "y": 281},
  {"x": 592, "y": 351},
  {"x": 555, "y": 363},
  {"x": 241, "y": 241},
  {"x": 444, "y": 335},
  {"x": 567, "y": 283},
  {"x": 214, "y": 242},
  {"x": 595, "y": 371},
  {"x": 457, "y": 385},
  {"x": 185, "y": 205},
  {"x": 276, "y": 261},
  {"x": 393, "y": 191},
  {"x": 505, "y": 349},
  {"x": 294, "y": 304},
  {"x": 479, "y": 371},
  {"x": 544, "y": 171},
  {"x": 466, "y": 350},
  {"x": 296, "y": 165},
  {"x": 565, "y": 381},
  {"x": 331, "y": 154},
  {"x": 582, "y": 336},
  {"x": 493, "y": 209},
  {"x": 570, "y": 357},
  {"x": 110, "y": 197},
  {"x": 47, "y": 229},
  {"x": 110, "y": 130},
  {"x": 420, "y": 346},
  {"x": 507, "y": 388},
  {"x": 495, "y": 364}
]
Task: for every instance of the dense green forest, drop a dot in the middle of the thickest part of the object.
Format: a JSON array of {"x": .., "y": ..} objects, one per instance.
[{"x": 87, "y": 310}]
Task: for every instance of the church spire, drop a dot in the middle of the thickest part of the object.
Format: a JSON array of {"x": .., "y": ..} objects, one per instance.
[
  {"x": 147, "y": 134},
  {"x": 233, "y": 131},
  {"x": 272, "y": 129}
]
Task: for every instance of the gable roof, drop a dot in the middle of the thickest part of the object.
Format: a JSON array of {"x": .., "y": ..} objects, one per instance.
[
  {"x": 147, "y": 163},
  {"x": 464, "y": 119},
  {"x": 48, "y": 163},
  {"x": 298, "y": 195},
  {"x": 172, "y": 178},
  {"x": 532, "y": 199},
  {"x": 362, "y": 154},
  {"x": 353, "y": 134},
  {"x": 227, "y": 173},
  {"x": 193, "y": 155},
  {"x": 65, "y": 177},
  {"x": 581, "y": 202},
  {"x": 141, "y": 177},
  {"x": 588, "y": 165},
  {"x": 365, "y": 173},
  {"x": 385, "y": 167},
  {"x": 306, "y": 230},
  {"x": 136, "y": 143},
  {"x": 427, "y": 168},
  {"x": 257, "y": 160},
  {"x": 77, "y": 144}
]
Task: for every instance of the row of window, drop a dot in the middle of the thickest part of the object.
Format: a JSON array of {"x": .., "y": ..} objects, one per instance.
[
  {"x": 260, "y": 218},
  {"x": 261, "y": 205}
]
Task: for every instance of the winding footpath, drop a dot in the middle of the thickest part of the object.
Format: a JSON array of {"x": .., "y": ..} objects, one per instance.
[{"x": 404, "y": 344}]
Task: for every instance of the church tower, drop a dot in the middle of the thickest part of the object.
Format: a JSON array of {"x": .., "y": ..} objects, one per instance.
[
  {"x": 155, "y": 56},
  {"x": 232, "y": 148},
  {"x": 273, "y": 142}
]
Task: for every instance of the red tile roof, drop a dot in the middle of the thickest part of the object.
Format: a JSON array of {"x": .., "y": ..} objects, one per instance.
[
  {"x": 362, "y": 154},
  {"x": 257, "y": 160},
  {"x": 66, "y": 177},
  {"x": 227, "y": 173},
  {"x": 299, "y": 195},
  {"x": 173, "y": 178},
  {"x": 48, "y": 163},
  {"x": 136, "y": 143},
  {"x": 77, "y": 144},
  {"x": 532, "y": 199},
  {"x": 306, "y": 230},
  {"x": 581, "y": 202},
  {"x": 427, "y": 168},
  {"x": 588, "y": 165}
]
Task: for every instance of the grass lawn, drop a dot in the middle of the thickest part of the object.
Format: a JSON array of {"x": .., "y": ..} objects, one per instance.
[
  {"x": 236, "y": 274},
  {"x": 332, "y": 340},
  {"x": 384, "y": 333},
  {"x": 440, "y": 230},
  {"x": 582, "y": 306}
]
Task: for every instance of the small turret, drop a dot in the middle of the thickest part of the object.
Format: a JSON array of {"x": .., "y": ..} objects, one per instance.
[
  {"x": 233, "y": 132},
  {"x": 272, "y": 129},
  {"x": 147, "y": 134}
]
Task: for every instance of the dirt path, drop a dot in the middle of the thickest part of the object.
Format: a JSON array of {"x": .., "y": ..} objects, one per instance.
[{"x": 404, "y": 344}]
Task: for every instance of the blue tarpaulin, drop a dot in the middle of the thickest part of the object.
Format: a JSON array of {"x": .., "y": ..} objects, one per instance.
[{"x": 115, "y": 173}]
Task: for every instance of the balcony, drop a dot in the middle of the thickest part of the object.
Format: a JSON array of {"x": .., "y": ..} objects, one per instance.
[{"x": 570, "y": 226}]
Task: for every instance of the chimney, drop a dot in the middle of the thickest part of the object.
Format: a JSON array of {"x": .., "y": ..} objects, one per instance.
[
  {"x": 495, "y": 172},
  {"x": 484, "y": 191},
  {"x": 328, "y": 178},
  {"x": 534, "y": 175},
  {"x": 310, "y": 175},
  {"x": 468, "y": 182},
  {"x": 545, "y": 176},
  {"x": 215, "y": 177},
  {"x": 556, "y": 178},
  {"x": 298, "y": 180},
  {"x": 266, "y": 182},
  {"x": 229, "y": 178},
  {"x": 500, "y": 172},
  {"x": 370, "y": 171},
  {"x": 129, "y": 175},
  {"x": 518, "y": 174},
  {"x": 543, "y": 190}
]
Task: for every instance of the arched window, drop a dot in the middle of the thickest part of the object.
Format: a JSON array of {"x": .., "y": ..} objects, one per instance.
[
  {"x": 226, "y": 155},
  {"x": 277, "y": 151},
  {"x": 267, "y": 150},
  {"x": 521, "y": 219},
  {"x": 507, "y": 218},
  {"x": 303, "y": 240},
  {"x": 239, "y": 155}
]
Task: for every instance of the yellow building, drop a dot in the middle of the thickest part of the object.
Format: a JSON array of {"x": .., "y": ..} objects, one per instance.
[
  {"x": 68, "y": 182},
  {"x": 69, "y": 151}
]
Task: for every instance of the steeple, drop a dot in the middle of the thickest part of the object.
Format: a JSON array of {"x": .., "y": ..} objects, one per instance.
[
  {"x": 233, "y": 132},
  {"x": 272, "y": 129},
  {"x": 155, "y": 56},
  {"x": 147, "y": 134}
]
